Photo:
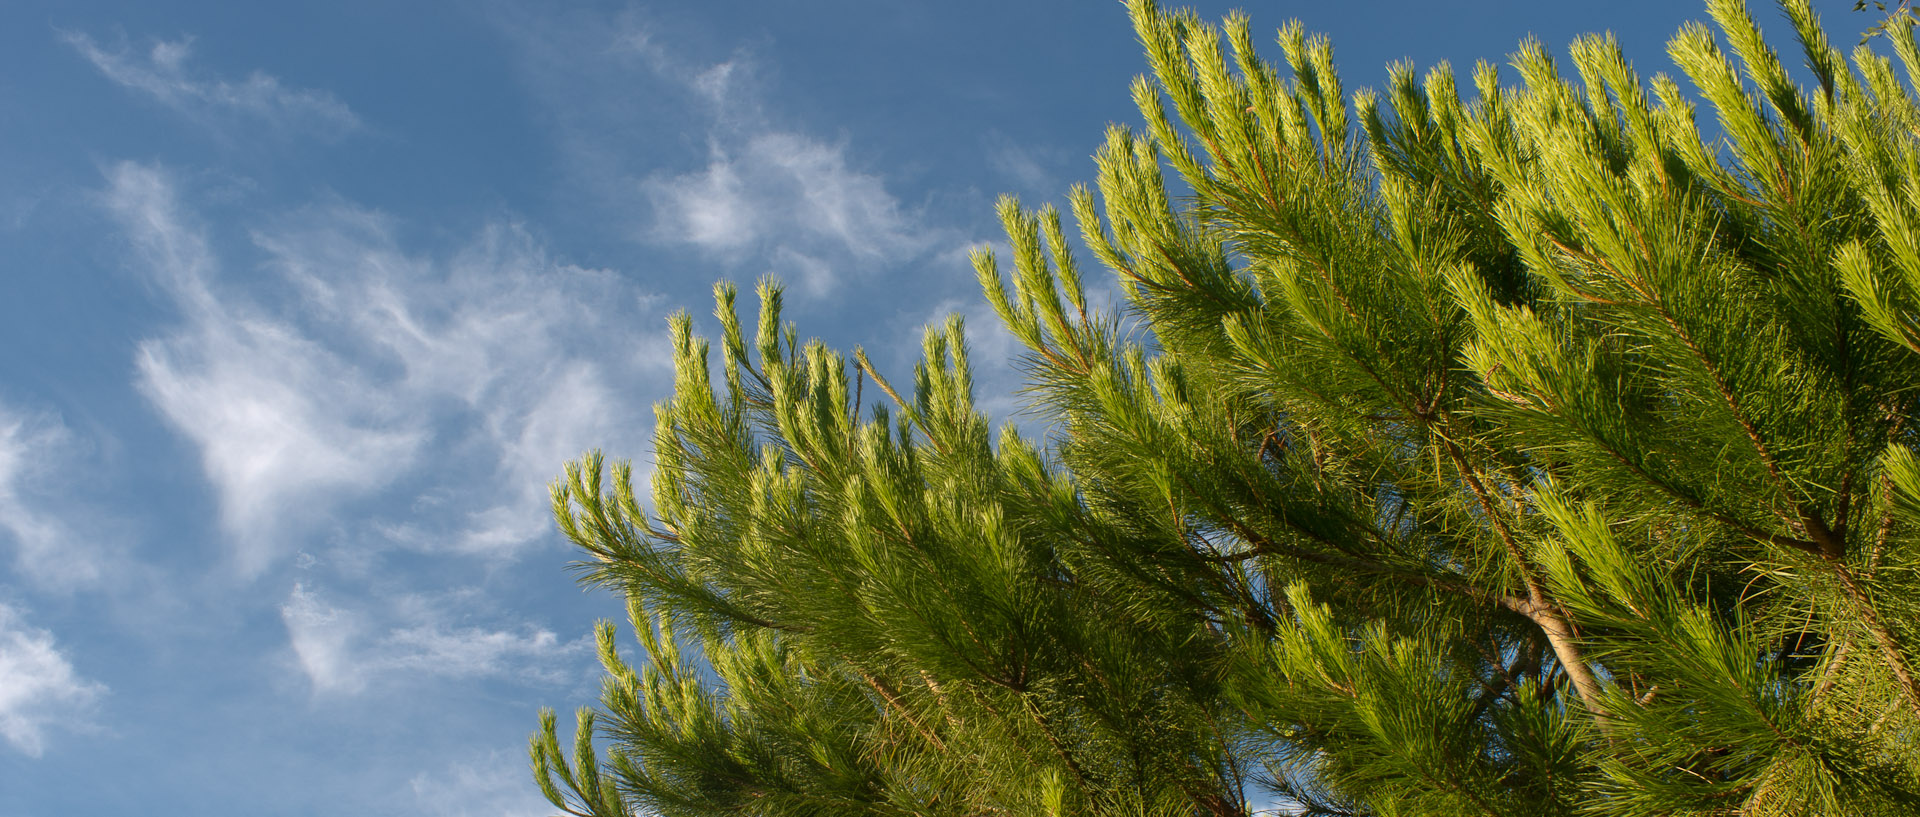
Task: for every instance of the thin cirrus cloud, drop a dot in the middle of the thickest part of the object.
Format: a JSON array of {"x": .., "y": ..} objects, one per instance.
[
  {"x": 770, "y": 194},
  {"x": 764, "y": 196},
  {"x": 282, "y": 422},
  {"x": 342, "y": 650},
  {"x": 39, "y": 688},
  {"x": 34, "y": 449},
  {"x": 789, "y": 196},
  {"x": 443, "y": 393},
  {"x": 490, "y": 785},
  {"x": 162, "y": 74}
]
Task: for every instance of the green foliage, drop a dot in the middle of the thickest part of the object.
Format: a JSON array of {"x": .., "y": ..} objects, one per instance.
[{"x": 1532, "y": 454}]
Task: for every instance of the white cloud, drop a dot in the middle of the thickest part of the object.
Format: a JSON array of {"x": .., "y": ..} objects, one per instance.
[
  {"x": 496, "y": 785},
  {"x": 766, "y": 196},
  {"x": 472, "y": 652},
  {"x": 62, "y": 540},
  {"x": 722, "y": 85},
  {"x": 778, "y": 194},
  {"x": 323, "y": 638},
  {"x": 716, "y": 83},
  {"x": 524, "y": 347},
  {"x": 1024, "y": 165},
  {"x": 283, "y": 423},
  {"x": 710, "y": 208},
  {"x": 342, "y": 651},
  {"x": 30, "y": 449},
  {"x": 162, "y": 74},
  {"x": 573, "y": 407},
  {"x": 39, "y": 689},
  {"x": 468, "y": 381}
]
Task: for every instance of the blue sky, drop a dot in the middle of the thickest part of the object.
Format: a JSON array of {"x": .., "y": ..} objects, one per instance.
[{"x": 304, "y": 304}]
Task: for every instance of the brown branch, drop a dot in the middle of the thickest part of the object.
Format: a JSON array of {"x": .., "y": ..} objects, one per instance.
[
  {"x": 1744, "y": 528},
  {"x": 860, "y": 356},
  {"x": 1053, "y": 739},
  {"x": 892, "y": 698},
  {"x": 1829, "y": 673},
  {"x": 1827, "y": 543},
  {"x": 1548, "y": 617},
  {"x": 1883, "y": 637}
]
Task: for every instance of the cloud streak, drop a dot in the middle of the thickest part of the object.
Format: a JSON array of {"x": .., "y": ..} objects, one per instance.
[
  {"x": 775, "y": 196},
  {"x": 784, "y": 193},
  {"x": 60, "y": 543},
  {"x": 495, "y": 785},
  {"x": 162, "y": 74},
  {"x": 39, "y": 689},
  {"x": 360, "y": 372},
  {"x": 28, "y": 447},
  {"x": 343, "y": 651},
  {"x": 767, "y": 195},
  {"x": 283, "y": 423}
]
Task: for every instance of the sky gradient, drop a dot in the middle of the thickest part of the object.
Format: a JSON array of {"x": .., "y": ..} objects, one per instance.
[{"x": 305, "y": 303}]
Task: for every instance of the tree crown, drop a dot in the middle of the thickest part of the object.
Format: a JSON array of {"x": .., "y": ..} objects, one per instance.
[{"x": 1532, "y": 453}]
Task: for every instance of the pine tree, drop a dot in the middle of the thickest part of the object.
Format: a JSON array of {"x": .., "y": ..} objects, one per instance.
[{"x": 1542, "y": 453}]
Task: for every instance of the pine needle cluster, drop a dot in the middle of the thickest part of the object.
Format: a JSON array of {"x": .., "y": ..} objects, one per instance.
[{"x": 1549, "y": 451}]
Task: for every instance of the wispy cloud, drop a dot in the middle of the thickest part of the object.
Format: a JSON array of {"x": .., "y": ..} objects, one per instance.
[
  {"x": 39, "y": 689},
  {"x": 342, "y": 650},
  {"x": 283, "y": 423},
  {"x": 494, "y": 785},
  {"x": 162, "y": 73},
  {"x": 768, "y": 195},
  {"x": 38, "y": 453},
  {"x": 28, "y": 447},
  {"x": 1027, "y": 167},
  {"x": 790, "y": 197},
  {"x": 773, "y": 195},
  {"x": 462, "y": 382}
]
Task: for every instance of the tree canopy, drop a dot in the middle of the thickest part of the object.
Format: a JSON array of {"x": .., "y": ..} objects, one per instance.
[{"x": 1539, "y": 451}]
